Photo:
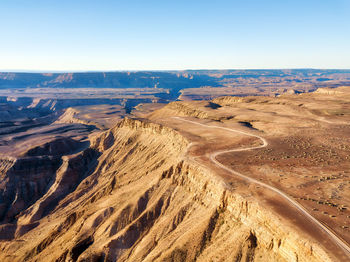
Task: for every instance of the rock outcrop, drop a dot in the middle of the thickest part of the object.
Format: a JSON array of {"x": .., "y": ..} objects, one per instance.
[
  {"x": 132, "y": 196},
  {"x": 25, "y": 182}
]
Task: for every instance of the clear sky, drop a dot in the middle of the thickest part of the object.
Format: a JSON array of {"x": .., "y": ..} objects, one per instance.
[{"x": 173, "y": 34}]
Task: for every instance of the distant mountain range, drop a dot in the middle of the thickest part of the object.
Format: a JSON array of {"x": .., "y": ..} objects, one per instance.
[{"x": 160, "y": 79}]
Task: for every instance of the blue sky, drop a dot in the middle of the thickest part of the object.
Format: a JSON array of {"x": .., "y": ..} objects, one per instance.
[{"x": 161, "y": 34}]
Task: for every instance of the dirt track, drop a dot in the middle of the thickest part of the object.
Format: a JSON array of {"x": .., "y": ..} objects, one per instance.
[{"x": 342, "y": 244}]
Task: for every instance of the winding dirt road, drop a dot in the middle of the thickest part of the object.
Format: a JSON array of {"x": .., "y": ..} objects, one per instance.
[{"x": 342, "y": 244}]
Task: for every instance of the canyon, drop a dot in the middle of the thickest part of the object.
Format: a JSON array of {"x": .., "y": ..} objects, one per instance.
[{"x": 165, "y": 180}]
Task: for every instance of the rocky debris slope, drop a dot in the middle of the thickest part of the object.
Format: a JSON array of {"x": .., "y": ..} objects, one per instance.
[
  {"x": 58, "y": 147},
  {"x": 141, "y": 200},
  {"x": 23, "y": 182},
  {"x": 26, "y": 179},
  {"x": 201, "y": 110},
  {"x": 69, "y": 116}
]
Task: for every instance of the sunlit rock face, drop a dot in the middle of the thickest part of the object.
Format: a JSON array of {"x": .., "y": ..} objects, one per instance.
[
  {"x": 131, "y": 196},
  {"x": 97, "y": 184}
]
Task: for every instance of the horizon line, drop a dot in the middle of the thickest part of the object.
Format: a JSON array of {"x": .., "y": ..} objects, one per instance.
[{"x": 161, "y": 70}]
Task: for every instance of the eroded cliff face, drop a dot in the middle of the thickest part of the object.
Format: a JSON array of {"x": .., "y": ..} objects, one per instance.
[
  {"x": 23, "y": 182},
  {"x": 140, "y": 199},
  {"x": 28, "y": 179}
]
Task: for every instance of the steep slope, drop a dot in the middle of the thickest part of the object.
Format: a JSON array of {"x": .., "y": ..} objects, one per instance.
[
  {"x": 26, "y": 179},
  {"x": 141, "y": 199}
]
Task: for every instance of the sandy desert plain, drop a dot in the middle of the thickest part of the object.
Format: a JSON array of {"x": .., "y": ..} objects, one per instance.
[{"x": 233, "y": 178}]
